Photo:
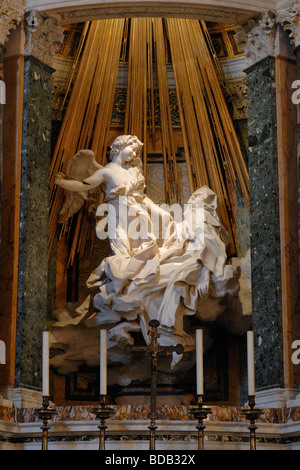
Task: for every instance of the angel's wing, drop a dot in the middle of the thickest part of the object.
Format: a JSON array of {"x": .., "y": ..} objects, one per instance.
[{"x": 82, "y": 165}]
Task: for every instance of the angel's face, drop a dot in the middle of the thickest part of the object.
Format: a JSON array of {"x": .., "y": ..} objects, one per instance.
[{"x": 128, "y": 152}]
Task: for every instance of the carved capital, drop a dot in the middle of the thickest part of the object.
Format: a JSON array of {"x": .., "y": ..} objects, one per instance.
[
  {"x": 257, "y": 38},
  {"x": 238, "y": 90},
  {"x": 290, "y": 21},
  {"x": 10, "y": 16},
  {"x": 43, "y": 37}
]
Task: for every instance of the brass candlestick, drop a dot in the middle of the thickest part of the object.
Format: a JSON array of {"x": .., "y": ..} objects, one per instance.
[
  {"x": 153, "y": 415},
  {"x": 103, "y": 412},
  {"x": 154, "y": 349},
  {"x": 45, "y": 414},
  {"x": 200, "y": 413},
  {"x": 252, "y": 414}
]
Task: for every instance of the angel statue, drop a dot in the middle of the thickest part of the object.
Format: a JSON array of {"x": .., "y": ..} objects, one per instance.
[{"x": 142, "y": 279}]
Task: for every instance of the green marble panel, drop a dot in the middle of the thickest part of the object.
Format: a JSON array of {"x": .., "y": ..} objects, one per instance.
[
  {"x": 264, "y": 224},
  {"x": 34, "y": 205},
  {"x": 242, "y": 212}
]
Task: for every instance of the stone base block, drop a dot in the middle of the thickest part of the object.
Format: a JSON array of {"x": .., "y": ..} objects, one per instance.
[{"x": 275, "y": 397}]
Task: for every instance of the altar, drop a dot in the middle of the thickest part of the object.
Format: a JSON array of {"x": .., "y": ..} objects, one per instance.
[
  {"x": 75, "y": 428},
  {"x": 149, "y": 197}
]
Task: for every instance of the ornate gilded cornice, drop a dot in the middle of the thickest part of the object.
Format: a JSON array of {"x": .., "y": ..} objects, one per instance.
[{"x": 167, "y": 10}]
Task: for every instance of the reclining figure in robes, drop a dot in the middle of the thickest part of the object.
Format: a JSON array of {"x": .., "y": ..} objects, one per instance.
[{"x": 141, "y": 280}]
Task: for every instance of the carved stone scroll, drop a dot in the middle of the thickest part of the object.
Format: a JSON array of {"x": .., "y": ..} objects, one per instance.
[
  {"x": 10, "y": 17},
  {"x": 257, "y": 38},
  {"x": 43, "y": 37},
  {"x": 290, "y": 21}
]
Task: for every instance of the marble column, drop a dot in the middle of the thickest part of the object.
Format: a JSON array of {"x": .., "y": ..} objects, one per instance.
[
  {"x": 297, "y": 53},
  {"x": 264, "y": 224},
  {"x": 11, "y": 16},
  {"x": 33, "y": 241},
  {"x": 238, "y": 89},
  {"x": 289, "y": 18},
  {"x": 43, "y": 38},
  {"x": 271, "y": 157},
  {"x": 2, "y": 102}
]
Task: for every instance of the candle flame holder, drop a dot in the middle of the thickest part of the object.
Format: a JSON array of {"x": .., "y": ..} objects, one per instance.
[
  {"x": 45, "y": 414},
  {"x": 252, "y": 414},
  {"x": 152, "y": 428},
  {"x": 200, "y": 413},
  {"x": 103, "y": 412}
]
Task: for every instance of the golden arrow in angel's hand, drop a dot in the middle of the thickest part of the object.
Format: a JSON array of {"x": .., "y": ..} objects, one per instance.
[{"x": 63, "y": 176}]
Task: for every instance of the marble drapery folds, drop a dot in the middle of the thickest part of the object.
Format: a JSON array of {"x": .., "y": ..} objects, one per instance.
[{"x": 188, "y": 275}]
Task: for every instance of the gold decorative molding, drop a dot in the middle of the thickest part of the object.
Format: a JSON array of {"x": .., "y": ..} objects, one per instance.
[{"x": 225, "y": 15}]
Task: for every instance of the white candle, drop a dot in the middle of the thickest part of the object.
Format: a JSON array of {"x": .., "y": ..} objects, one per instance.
[
  {"x": 103, "y": 362},
  {"x": 45, "y": 388},
  {"x": 199, "y": 361},
  {"x": 250, "y": 358}
]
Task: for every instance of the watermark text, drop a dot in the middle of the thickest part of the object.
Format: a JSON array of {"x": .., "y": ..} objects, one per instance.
[
  {"x": 296, "y": 353},
  {"x": 126, "y": 219},
  {"x": 2, "y": 92}
]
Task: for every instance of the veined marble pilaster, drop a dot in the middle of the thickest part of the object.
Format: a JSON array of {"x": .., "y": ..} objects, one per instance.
[
  {"x": 264, "y": 222},
  {"x": 33, "y": 240},
  {"x": 12, "y": 147},
  {"x": 297, "y": 52},
  {"x": 272, "y": 200},
  {"x": 43, "y": 38},
  {"x": 2, "y": 102},
  {"x": 290, "y": 20},
  {"x": 10, "y": 16}
]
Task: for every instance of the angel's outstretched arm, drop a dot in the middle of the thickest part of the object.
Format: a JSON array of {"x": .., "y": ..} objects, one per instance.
[{"x": 91, "y": 182}]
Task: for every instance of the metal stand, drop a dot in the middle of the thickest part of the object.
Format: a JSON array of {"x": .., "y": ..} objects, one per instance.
[
  {"x": 45, "y": 414},
  {"x": 252, "y": 415},
  {"x": 103, "y": 413},
  {"x": 154, "y": 349},
  {"x": 200, "y": 413}
]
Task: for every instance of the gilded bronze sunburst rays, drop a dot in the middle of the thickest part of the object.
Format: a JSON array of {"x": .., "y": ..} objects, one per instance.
[
  {"x": 87, "y": 119},
  {"x": 211, "y": 148}
]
